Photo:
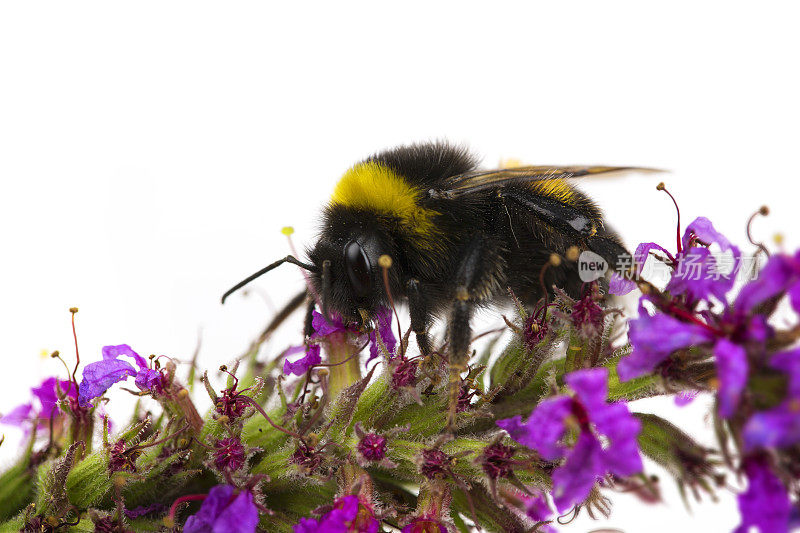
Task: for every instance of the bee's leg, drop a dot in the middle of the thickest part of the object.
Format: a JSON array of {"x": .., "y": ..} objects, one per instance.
[
  {"x": 420, "y": 316},
  {"x": 480, "y": 273},
  {"x": 460, "y": 334},
  {"x": 308, "y": 328}
]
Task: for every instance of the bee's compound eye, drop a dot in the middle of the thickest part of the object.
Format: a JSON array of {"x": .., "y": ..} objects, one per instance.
[{"x": 358, "y": 268}]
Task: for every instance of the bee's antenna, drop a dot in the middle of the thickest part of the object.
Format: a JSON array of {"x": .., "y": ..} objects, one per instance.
[{"x": 288, "y": 259}]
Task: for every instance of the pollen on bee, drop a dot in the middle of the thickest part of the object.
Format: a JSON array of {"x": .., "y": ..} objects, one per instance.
[{"x": 555, "y": 259}]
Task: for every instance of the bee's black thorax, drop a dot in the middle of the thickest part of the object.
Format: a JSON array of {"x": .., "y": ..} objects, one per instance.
[{"x": 443, "y": 247}]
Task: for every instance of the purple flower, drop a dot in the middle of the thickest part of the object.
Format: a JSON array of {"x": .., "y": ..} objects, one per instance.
[
  {"x": 323, "y": 328},
  {"x": 779, "y": 426},
  {"x": 497, "y": 460},
  {"x": 383, "y": 326},
  {"x": 732, "y": 371},
  {"x": 588, "y": 459},
  {"x": 780, "y": 274},
  {"x": 47, "y": 395},
  {"x": 229, "y": 454},
  {"x": 349, "y": 514},
  {"x": 404, "y": 372},
  {"x": 696, "y": 272},
  {"x": 765, "y": 504},
  {"x": 99, "y": 376},
  {"x": 537, "y": 507},
  {"x": 372, "y": 446},
  {"x": 654, "y": 338},
  {"x": 544, "y": 428},
  {"x": 434, "y": 463},
  {"x": 302, "y": 365},
  {"x": 224, "y": 512},
  {"x": 587, "y": 316},
  {"x": 619, "y": 285},
  {"x": 18, "y": 416}
]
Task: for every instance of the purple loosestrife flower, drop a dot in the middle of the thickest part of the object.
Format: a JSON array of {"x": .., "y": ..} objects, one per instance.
[
  {"x": 654, "y": 338},
  {"x": 47, "y": 395},
  {"x": 732, "y": 369},
  {"x": 497, "y": 460},
  {"x": 765, "y": 504},
  {"x": 302, "y": 365},
  {"x": 229, "y": 454},
  {"x": 588, "y": 459},
  {"x": 619, "y": 285},
  {"x": 779, "y": 426},
  {"x": 697, "y": 273},
  {"x": 323, "y": 328},
  {"x": 780, "y": 274},
  {"x": 372, "y": 447},
  {"x": 223, "y": 511},
  {"x": 536, "y": 507},
  {"x": 349, "y": 514},
  {"x": 99, "y": 376},
  {"x": 383, "y": 326}
]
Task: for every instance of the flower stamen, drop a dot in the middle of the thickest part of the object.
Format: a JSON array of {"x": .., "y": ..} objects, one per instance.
[{"x": 662, "y": 187}]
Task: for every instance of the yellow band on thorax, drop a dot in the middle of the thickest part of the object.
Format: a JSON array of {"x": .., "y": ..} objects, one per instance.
[{"x": 375, "y": 187}]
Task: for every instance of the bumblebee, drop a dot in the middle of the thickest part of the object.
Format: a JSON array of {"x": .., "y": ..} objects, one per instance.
[{"x": 459, "y": 239}]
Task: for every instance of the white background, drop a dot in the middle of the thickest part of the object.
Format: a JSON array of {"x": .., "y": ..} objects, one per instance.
[{"x": 150, "y": 153}]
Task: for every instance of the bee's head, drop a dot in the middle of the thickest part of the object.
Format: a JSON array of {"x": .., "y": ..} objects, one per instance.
[
  {"x": 348, "y": 278},
  {"x": 345, "y": 273}
]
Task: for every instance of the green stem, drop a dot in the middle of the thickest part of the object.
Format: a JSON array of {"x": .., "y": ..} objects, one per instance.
[{"x": 344, "y": 363}]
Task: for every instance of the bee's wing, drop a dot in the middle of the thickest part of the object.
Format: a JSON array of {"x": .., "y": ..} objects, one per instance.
[{"x": 481, "y": 180}]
